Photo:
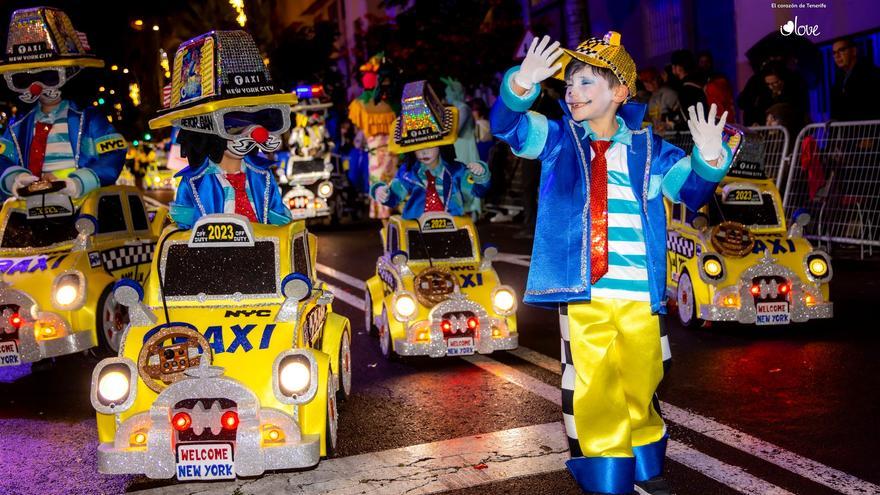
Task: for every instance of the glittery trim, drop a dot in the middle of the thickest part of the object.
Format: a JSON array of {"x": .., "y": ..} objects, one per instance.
[{"x": 132, "y": 386}]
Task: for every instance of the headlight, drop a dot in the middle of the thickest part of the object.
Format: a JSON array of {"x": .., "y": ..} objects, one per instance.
[
  {"x": 712, "y": 268},
  {"x": 818, "y": 265},
  {"x": 295, "y": 376},
  {"x": 68, "y": 291},
  {"x": 325, "y": 189},
  {"x": 404, "y": 307},
  {"x": 112, "y": 387},
  {"x": 504, "y": 301}
]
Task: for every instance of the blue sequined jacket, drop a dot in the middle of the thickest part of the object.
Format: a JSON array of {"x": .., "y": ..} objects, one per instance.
[
  {"x": 457, "y": 184},
  {"x": 200, "y": 193},
  {"x": 98, "y": 149},
  {"x": 560, "y": 268}
]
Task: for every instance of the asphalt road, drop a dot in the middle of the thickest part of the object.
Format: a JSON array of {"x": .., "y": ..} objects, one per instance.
[{"x": 750, "y": 410}]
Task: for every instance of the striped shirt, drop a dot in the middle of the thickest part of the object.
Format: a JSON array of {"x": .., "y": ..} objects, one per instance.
[
  {"x": 627, "y": 276},
  {"x": 59, "y": 153}
]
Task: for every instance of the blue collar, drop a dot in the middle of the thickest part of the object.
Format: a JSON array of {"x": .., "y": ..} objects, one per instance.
[
  {"x": 53, "y": 116},
  {"x": 623, "y": 134},
  {"x": 438, "y": 171}
]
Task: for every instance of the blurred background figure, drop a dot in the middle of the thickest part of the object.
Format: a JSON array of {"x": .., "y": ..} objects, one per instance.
[
  {"x": 854, "y": 95},
  {"x": 663, "y": 107}
]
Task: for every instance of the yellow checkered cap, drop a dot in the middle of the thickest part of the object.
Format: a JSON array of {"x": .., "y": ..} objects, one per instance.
[{"x": 604, "y": 52}]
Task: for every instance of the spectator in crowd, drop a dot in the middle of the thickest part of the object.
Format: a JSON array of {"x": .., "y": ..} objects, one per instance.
[
  {"x": 754, "y": 99},
  {"x": 663, "y": 107},
  {"x": 718, "y": 89},
  {"x": 789, "y": 117},
  {"x": 785, "y": 87},
  {"x": 482, "y": 133},
  {"x": 854, "y": 94},
  {"x": 684, "y": 67}
]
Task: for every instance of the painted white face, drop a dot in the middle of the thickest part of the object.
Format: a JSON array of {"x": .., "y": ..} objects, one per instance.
[
  {"x": 587, "y": 95},
  {"x": 429, "y": 156}
]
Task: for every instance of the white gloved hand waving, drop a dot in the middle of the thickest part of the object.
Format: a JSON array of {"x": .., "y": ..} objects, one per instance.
[
  {"x": 538, "y": 64},
  {"x": 706, "y": 132}
]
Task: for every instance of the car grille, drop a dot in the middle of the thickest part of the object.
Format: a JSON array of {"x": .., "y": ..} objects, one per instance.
[{"x": 206, "y": 425}]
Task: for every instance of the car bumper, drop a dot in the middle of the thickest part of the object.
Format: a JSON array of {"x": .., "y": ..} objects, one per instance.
[
  {"x": 485, "y": 340},
  {"x": 747, "y": 314},
  {"x": 31, "y": 348},
  {"x": 252, "y": 454}
]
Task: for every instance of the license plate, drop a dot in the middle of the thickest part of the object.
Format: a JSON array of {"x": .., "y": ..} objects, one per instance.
[
  {"x": 459, "y": 346},
  {"x": 205, "y": 461},
  {"x": 9, "y": 353},
  {"x": 772, "y": 313}
]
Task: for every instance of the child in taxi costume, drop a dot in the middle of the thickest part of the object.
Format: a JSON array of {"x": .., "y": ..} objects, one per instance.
[
  {"x": 226, "y": 110},
  {"x": 55, "y": 140},
  {"x": 599, "y": 250},
  {"x": 429, "y": 181}
]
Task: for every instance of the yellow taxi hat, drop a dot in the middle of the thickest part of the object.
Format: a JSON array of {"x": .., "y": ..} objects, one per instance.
[
  {"x": 606, "y": 52},
  {"x": 424, "y": 122},
  {"x": 45, "y": 37}
]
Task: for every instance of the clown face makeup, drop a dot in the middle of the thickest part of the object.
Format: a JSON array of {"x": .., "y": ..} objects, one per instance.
[
  {"x": 587, "y": 94},
  {"x": 244, "y": 128},
  {"x": 38, "y": 84}
]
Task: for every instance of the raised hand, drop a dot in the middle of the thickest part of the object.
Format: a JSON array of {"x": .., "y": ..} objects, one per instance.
[
  {"x": 381, "y": 193},
  {"x": 538, "y": 64},
  {"x": 476, "y": 168},
  {"x": 706, "y": 132}
]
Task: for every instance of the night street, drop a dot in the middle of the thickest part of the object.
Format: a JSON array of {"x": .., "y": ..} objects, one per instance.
[{"x": 750, "y": 410}]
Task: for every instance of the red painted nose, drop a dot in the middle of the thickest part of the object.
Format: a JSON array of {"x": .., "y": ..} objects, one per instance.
[
  {"x": 260, "y": 135},
  {"x": 35, "y": 89}
]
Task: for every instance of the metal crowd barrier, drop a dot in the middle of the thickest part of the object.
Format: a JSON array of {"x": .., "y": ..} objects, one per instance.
[{"x": 835, "y": 176}]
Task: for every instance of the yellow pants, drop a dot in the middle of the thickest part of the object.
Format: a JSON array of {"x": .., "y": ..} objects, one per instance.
[{"x": 612, "y": 365}]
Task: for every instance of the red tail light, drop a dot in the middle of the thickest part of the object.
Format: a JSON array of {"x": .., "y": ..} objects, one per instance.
[
  {"x": 473, "y": 323},
  {"x": 446, "y": 326},
  {"x": 783, "y": 288},
  {"x": 229, "y": 420},
  {"x": 15, "y": 320},
  {"x": 755, "y": 290},
  {"x": 181, "y": 421}
]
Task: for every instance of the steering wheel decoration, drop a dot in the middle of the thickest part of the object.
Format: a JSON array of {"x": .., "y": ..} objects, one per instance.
[
  {"x": 40, "y": 187},
  {"x": 732, "y": 239},
  {"x": 433, "y": 286},
  {"x": 161, "y": 365}
]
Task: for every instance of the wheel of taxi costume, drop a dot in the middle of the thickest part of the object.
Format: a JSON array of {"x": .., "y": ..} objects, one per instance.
[
  {"x": 686, "y": 306},
  {"x": 344, "y": 367},
  {"x": 369, "y": 326},
  {"x": 110, "y": 322},
  {"x": 332, "y": 426},
  {"x": 385, "y": 344}
]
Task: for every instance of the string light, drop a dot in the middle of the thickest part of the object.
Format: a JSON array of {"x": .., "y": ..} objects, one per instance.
[
  {"x": 134, "y": 92},
  {"x": 238, "y": 5}
]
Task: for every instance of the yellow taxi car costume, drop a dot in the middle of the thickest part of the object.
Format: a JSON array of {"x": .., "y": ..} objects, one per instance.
[
  {"x": 59, "y": 259},
  {"x": 233, "y": 362},
  {"x": 738, "y": 260},
  {"x": 434, "y": 294}
]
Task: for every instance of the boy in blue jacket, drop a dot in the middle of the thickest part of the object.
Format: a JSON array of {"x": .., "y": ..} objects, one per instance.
[
  {"x": 599, "y": 250},
  {"x": 430, "y": 179}
]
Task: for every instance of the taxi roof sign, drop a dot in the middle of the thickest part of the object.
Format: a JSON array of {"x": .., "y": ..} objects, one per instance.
[
  {"x": 222, "y": 230},
  {"x": 436, "y": 221}
]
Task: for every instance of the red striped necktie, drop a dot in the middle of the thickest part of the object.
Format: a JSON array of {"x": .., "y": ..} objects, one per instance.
[
  {"x": 432, "y": 199},
  {"x": 37, "y": 151},
  {"x": 242, "y": 203}
]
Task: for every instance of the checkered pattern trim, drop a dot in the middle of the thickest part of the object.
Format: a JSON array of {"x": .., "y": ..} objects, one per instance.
[
  {"x": 568, "y": 378},
  {"x": 126, "y": 256},
  {"x": 679, "y": 245},
  {"x": 568, "y": 381}
]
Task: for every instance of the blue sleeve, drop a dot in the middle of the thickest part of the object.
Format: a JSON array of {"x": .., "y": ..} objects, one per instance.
[
  {"x": 9, "y": 163},
  {"x": 183, "y": 209},
  {"x": 398, "y": 189},
  {"x": 279, "y": 214},
  {"x": 102, "y": 148},
  {"x": 688, "y": 179},
  {"x": 529, "y": 134}
]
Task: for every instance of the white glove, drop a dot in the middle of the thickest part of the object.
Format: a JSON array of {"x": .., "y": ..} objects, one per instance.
[
  {"x": 538, "y": 64},
  {"x": 706, "y": 132},
  {"x": 22, "y": 180},
  {"x": 71, "y": 188},
  {"x": 476, "y": 168},
  {"x": 381, "y": 193}
]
